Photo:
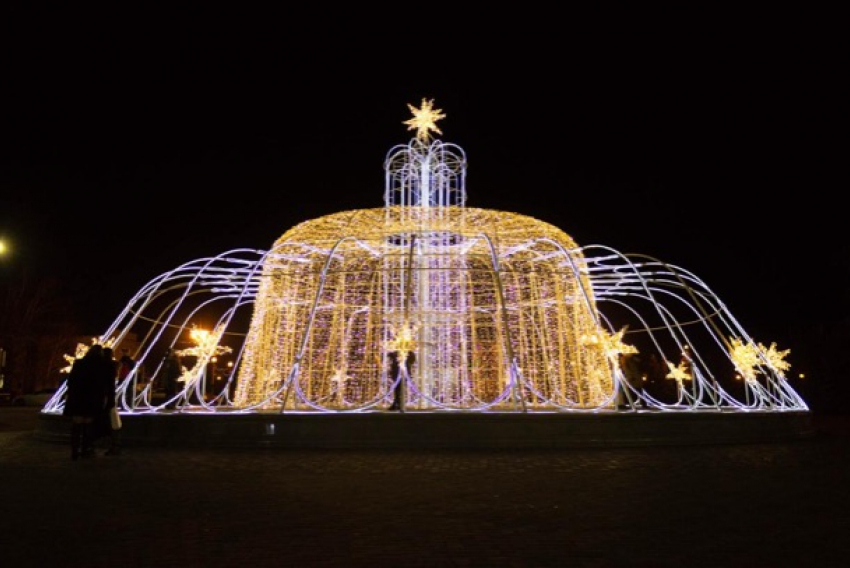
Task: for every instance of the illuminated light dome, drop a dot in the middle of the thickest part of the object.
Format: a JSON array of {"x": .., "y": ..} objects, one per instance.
[
  {"x": 503, "y": 313},
  {"x": 495, "y": 299}
]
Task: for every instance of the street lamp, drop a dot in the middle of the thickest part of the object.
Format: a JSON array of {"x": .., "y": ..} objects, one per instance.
[{"x": 205, "y": 351}]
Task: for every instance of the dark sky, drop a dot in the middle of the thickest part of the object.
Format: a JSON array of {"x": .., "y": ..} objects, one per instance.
[{"x": 717, "y": 153}]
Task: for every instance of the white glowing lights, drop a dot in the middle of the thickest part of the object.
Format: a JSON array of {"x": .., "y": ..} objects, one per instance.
[{"x": 503, "y": 312}]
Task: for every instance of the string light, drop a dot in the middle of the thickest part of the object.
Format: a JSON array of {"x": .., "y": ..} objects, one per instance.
[{"x": 503, "y": 311}]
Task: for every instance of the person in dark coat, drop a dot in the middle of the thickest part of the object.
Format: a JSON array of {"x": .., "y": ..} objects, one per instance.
[{"x": 85, "y": 400}]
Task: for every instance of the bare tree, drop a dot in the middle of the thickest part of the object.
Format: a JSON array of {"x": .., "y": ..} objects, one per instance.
[{"x": 36, "y": 329}]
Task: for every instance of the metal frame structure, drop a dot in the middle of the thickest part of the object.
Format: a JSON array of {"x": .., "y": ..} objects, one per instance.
[{"x": 505, "y": 313}]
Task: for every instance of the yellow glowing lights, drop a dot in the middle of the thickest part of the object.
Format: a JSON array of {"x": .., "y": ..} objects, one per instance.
[
  {"x": 611, "y": 344},
  {"x": 403, "y": 341},
  {"x": 340, "y": 288},
  {"x": 79, "y": 352},
  {"x": 680, "y": 372},
  {"x": 776, "y": 359},
  {"x": 747, "y": 357},
  {"x": 502, "y": 311},
  {"x": 206, "y": 344},
  {"x": 206, "y": 349},
  {"x": 199, "y": 336},
  {"x": 424, "y": 119}
]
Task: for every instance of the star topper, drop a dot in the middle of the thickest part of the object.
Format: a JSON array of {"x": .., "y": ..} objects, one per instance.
[{"x": 424, "y": 119}]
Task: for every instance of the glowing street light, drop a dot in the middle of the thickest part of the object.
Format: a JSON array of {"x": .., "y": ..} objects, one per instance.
[{"x": 206, "y": 350}]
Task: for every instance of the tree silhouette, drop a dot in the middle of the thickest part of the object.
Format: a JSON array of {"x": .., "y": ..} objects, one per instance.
[{"x": 37, "y": 327}]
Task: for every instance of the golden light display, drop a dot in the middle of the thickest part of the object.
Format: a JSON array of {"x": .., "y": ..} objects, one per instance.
[
  {"x": 424, "y": 120},
  {"x": 487, "y": 292},
  {"x": 746, "y": 358},
  {"x": 503, "y": 312},
  {"x": 403, "y": 340}
]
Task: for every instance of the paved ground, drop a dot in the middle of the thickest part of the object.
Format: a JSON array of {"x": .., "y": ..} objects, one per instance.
[{"x": 754, "y": 505}]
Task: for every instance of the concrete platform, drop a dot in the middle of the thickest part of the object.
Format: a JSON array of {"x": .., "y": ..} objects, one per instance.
[{"x": 448, "y": 430}]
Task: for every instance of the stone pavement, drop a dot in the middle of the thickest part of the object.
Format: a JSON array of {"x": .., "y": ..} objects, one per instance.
[{"x": 771, "y": 505}]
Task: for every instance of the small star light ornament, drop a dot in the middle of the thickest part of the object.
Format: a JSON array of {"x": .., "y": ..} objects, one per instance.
[
  {"x": 776, "y": 359},
  {"x": 80, "y": 352},
  {"x": 206, "y": 347},
  {"x": 678, "y": 372},
  {"x": 339, "y": 378},
  {"x": 206, "y": 343},
  {"x": 424, "y": 119},
  {"x": 746, "y": 357},
  {"x": 403, "y": 340},
  {"x": 614, "y": 345},
  {"x": 611, "y": 344}
]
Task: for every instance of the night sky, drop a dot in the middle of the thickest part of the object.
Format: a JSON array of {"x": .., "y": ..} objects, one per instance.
[{"x": 717, "y": 154}]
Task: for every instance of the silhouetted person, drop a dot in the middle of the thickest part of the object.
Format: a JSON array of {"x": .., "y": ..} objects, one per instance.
[
  {"x": 395, "y": 373},
  {"x": 85, "y": 400},
  {"x": 125, "y": 365}
]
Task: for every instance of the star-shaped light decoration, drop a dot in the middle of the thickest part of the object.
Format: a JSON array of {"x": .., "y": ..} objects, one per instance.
[
  {"x": 82, "y": 349},
  {"x": 206, "y": 343},
  {"x": 745, "y": 358},
  {"x": 79, "y": 352},
  {"x": 679, "y": 372},
  {"x": 748, "y": 357},
  {"x": 403, "y": 341},
  {"x": 614, "y": 345},
  {"x": 776, "y": 359},
  {"x": 611, "y": 344},
  {"x": 340, "y": 377},
  {"x": 424, "y": 119},
  {"x": 206, "y": 347}
]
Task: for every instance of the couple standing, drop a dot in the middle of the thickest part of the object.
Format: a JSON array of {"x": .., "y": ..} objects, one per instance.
[{"x": 90, "y": 399}]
